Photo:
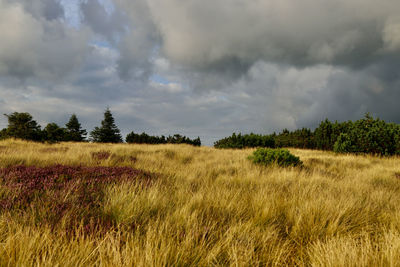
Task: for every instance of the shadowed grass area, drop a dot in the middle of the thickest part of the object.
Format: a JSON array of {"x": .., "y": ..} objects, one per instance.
[
  {"x": 205, "y": 207},
  {"x": 59, "y": 194}
]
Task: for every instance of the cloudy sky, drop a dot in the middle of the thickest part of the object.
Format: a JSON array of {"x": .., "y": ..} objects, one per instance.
[{"x": 200, "y": 67}]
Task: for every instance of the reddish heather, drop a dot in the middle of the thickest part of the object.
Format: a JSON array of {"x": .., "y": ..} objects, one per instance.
[
  {"x": 71, "y": 193},
  {"x": 101, "y": 155},
  {"x": 53, "y": 149},
  {"x": 133, "y": 159}
]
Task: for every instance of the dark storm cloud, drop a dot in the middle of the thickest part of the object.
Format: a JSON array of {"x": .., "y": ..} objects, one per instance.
[
  {"x": 203, "y": 68},
  {"x": 203, "y": 33},
  {"x": 214, "y": 44}
]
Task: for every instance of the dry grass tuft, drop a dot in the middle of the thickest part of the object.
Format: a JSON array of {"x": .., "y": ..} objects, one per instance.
[{"x": 213, "y": 207}]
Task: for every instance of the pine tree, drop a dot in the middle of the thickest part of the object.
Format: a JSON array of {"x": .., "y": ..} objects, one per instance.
[
  {"x": 108, "y": 132},
  {"x": 74, "y": 131}
]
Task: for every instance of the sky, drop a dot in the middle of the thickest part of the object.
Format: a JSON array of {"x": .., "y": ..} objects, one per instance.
[{"x": 203, "y": 68}]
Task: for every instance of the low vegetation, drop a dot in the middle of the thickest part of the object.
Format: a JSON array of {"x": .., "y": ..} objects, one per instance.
[
  {"x": 143, "y": 138},
  {"x": 368, "y": 135},
  {"x": 67, "y": 195},
  {"x": 280, "y": 157},
  {"x": 85, "y": 204},
  {"x": 246, "y": 141}
]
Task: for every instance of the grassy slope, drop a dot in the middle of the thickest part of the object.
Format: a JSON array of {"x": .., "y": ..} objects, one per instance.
[{"x": 213, "y": 207}]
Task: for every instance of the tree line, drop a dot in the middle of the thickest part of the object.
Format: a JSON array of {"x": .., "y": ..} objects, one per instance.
[
  {"x": 21, "y": 125},
  {"x": 367, "y": 135},
  {"x": 144, "y": 138}
]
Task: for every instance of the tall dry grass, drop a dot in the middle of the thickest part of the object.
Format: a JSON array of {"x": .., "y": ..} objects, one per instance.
[{"x": 214, "y": 207}]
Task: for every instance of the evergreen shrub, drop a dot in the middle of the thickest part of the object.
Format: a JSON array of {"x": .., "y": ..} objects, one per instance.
[{"x": 269, "y": 156}]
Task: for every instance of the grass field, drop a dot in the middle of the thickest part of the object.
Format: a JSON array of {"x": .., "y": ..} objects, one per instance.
[{"x": 194, "y": 206}]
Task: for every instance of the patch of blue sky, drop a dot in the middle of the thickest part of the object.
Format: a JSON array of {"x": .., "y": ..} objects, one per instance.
[
  {"x": 72, "y": 12},
  {"x": 100, "y": 43},
  {"x": 223, "y": 98},
  {"x": 159, "y": 79},
  {"x": 155, "y": 52}
]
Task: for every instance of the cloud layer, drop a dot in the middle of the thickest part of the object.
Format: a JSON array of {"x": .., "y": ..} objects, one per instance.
[
  {"x": 204, "y": 33},
  {"x": 36, "y": 42},
  {"x": 203, "y": 68}
]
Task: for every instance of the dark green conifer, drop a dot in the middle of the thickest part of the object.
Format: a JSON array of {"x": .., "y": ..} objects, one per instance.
[
  {"x": 74, "y": 131},
  {"x": 108, "y": 132}
]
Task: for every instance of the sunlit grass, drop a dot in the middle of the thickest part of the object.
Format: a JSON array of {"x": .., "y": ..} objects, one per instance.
[{"x": 214, "y": 207}]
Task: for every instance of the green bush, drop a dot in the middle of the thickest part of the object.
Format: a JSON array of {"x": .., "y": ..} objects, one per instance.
[
  {"x": 343, "y": 144},
  {"x": 370, "y": 136},
  {"x": 281, "y": 157},
  {"x": 397, "y": 144}
]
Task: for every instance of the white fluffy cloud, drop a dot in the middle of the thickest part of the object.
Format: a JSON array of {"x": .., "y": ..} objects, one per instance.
[{"x": 34, "y": 45}]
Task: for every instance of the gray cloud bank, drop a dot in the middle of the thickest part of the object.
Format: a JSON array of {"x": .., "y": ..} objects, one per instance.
[
  {"x": 205, "y": 67},
  {"x": 352, "y": 33}
]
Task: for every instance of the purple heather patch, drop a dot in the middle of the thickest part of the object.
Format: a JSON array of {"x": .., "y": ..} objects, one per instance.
[
  {"x": 73, "y": 194},
  {"x": 101, "y": 155}
]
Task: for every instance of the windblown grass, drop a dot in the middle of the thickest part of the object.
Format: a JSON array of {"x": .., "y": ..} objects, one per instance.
[{"x": 210, "y": 207}]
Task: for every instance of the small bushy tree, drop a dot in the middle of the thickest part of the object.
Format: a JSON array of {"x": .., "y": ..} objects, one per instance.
[
  {"x": 108, "y": 132},
  {"x": 397, "y": 140},
  {"x": 21, "y": 125},
  {"x": 343, "y": 144},
  {"x": 281, "y": 157},
  {"x": 3, "y": 134},
  {"x": 54, "y": 133}
]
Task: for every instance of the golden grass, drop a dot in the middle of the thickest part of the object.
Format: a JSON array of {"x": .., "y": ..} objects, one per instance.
[{"x": 215, "y": 208}]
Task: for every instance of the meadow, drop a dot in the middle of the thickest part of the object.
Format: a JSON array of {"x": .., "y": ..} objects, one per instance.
[{"x": 84, "y": 204}]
